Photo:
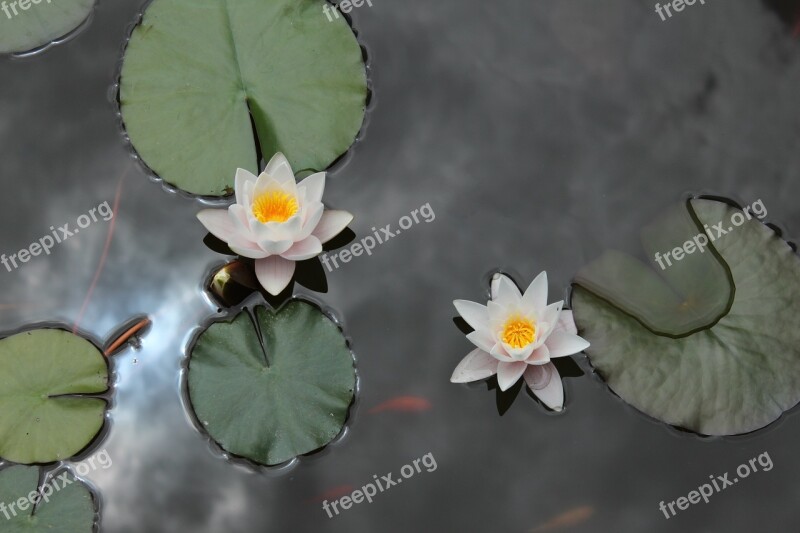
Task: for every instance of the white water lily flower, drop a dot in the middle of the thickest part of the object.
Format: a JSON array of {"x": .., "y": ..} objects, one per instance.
[
  {"x": 276, "y": 221},
  {"x": 517, "y": 335}
]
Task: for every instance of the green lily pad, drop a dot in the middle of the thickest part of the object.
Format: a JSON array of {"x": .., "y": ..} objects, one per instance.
[
  {"x": 722, "y": 354},
  {"x": 43, "y": 22},
  {"x": 63, "y": 507},
  {"x": 45, "y": 415},
  {"x": 273, "y": 396},
  {"x": 207, "y": 86}
]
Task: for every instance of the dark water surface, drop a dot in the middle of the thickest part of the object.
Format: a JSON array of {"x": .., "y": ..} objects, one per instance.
[{"x": 541, "y": 134}]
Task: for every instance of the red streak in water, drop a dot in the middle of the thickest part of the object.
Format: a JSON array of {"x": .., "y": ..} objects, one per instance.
[
  {"x": 402, "y": 404},
  {"x": 568, "y": 519},
  {"x": 332, "y": 494},
  {"x": 103, "y": 257},
  {"x": 126, "y": 335}
]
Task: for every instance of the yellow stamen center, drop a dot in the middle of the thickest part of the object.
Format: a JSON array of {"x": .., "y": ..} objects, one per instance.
[
  {"x": 274, "y": 206},
  {"x": 519, "y": 332}
]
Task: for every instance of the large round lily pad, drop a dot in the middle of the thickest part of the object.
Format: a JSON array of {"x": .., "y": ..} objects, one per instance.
[
  {"x": 207, "y": 86},
  {"x": 734, "y": 367},
  {"x": 45, "y": 415},
  {"x": 274, "y": 396},
  {"x": 67, "y": 504},
  {"x": 40, "y": 23}
]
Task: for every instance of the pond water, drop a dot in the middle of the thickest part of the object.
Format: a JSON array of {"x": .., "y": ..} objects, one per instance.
[{"x": 541, "y": 134}]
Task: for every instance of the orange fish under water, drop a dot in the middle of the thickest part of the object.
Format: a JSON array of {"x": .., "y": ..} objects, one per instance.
[
  {"x": 332, "y": 494},
  {"x": 402, "y": 404},
  {"x": 573, "y": 517}
]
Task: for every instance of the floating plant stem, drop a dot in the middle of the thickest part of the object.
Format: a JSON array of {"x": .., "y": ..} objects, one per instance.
[{"x": 126, "y": 335}]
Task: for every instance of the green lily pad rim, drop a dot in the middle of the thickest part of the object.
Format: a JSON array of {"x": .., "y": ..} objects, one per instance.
[
  {"x": 227, "y": 315},
  {"x": 67, "y": 37},
  {"x": 713, "y": 249},
  {"x": 107, "y": 395},
  {"x": 678, "y": 430},
  {"x": 50, "y": 474},
  {"x": 218, "y": 201}
]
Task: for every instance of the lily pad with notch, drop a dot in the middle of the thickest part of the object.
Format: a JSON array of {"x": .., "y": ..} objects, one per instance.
[
  {"x": 710, "y": 342},
  {"x": 50, "y": 380},
  {"x": 270, "y": 385},
  {"x": 71, "y": 507},
  {"x": 208, "y": 86},
  {"x": 40, "y": 23}
]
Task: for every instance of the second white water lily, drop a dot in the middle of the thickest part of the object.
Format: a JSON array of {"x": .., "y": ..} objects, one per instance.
[
  {"x": 276, "y": 221},
  {"x": 516, "y": 336}
]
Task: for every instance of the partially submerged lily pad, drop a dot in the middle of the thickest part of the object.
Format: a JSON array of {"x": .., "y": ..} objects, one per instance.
[
  {"x": 722, "y": 355},
  {"x": 66, "y": 508},
  {"x": 207, "y": 86},
  {"x": 273, "y": 393},
  {"x": 42, "y": 22},
  {"x": 47, "y": 379}
]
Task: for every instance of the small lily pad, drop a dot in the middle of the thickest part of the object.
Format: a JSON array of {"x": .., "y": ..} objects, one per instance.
[
  {"x": 722, "y": 355},
  {"x": 40, "y": 23},
  {"x": 63, "y": 507},
  {"x": 45, "y": 413},
  {"x": 207, "y": 86},
  {"x": 273, "y": 393}
]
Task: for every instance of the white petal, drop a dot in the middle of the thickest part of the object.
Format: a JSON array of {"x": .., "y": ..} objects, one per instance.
[
  {"x": 331, "y": 224},
  {"x": 482, "y": 340},
  {"x": 505, "y": 293},
  {"x": 545, "y": 382},
  {"x": 477, "y": 365},
  {"x": 539, "y": 356},
  {"x": 266, "y": 184},
  {"x": 279, "y": 168},
  {"x": 561, "y": 344},
  {"x": 247, "y": 201},
  {"x": 535, "y": 297},
  {"x": 498, "y": 351},
  {"x": 497, "y": 315},
  {"x": 275, "y": 247},
  {"x": 274, "y": 273},
  {"x": 495, "y": 284},
  {"x": 305, "y": 249},
  {"x": 548, "y": 322},
  {"x": 509, "y": 373},
  {"x": 315, "y": 186},
  {"x": 242, "y": 177},
  {"x": 276, "y": 231},
  {"x": 238, "y": 215},
  {"x": 313, "y": 214},
  {"x": 252, "y": 251},
  {"x": 519, "y": 354},
  {"x": 551, "y": 313},
  {"x": 219, "y": 223},
  {"x": 566, "y": 323},
  {"x": 475, "y": 314}
]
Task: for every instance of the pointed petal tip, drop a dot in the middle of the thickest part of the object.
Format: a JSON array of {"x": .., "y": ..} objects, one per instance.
[
  {"x": 331, "y": 224},
  {"x": 475, "y": 366},
  {"x": 274, "y": 273},
  {"x": 545, "y": 383}
]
